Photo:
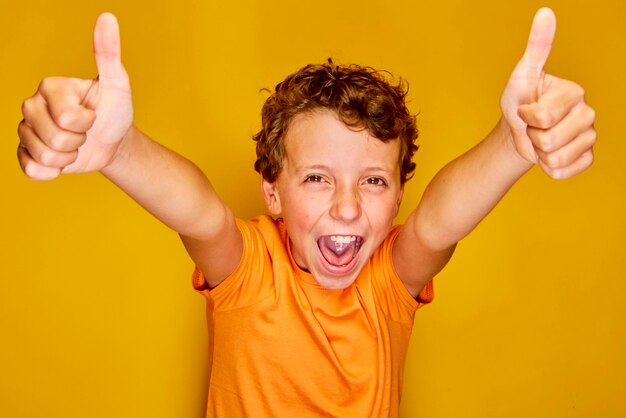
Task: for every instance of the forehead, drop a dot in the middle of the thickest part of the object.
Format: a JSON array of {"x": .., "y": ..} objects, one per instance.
[{"x": 321, "y": 135}]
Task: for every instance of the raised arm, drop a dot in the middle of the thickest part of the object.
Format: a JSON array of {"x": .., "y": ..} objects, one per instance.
[
  {"x": 545, "y": 121},
  {"x": 76, "y": 126}
]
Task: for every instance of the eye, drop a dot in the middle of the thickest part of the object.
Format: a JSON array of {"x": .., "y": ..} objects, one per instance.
[
  {"x": 376, "y": 181},
  {"x": 314, "y": 178}
]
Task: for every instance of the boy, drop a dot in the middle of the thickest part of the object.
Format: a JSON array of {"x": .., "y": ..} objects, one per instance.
[{"x": 310, "y": 314}]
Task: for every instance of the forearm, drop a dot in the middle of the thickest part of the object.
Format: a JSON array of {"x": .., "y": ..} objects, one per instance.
[
  {"x": 168, "y": 186},
  {"x": 467, "y": 189}
]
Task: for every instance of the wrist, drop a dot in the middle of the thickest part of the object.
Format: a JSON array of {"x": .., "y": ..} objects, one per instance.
[
  {"x": 122, "y": 153},
  {"x": 504, "y": 133}
]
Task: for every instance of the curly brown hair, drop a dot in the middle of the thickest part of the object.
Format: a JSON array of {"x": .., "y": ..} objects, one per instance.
[{"x": 361, "y": 97}]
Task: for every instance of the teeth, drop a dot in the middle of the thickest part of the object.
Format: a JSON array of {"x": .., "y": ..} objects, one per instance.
[{"x": 343, "y": 239}]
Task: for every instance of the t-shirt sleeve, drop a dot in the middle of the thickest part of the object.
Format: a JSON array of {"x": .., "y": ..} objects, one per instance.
[
  {"x": 243, "y": 285},
  {"x": 391, "y": 286}
]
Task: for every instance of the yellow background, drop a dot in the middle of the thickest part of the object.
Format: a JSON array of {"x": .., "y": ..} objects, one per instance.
[{"x": 97, "y": 315}]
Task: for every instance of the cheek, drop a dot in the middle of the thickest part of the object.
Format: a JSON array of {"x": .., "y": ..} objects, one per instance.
[
  {"x": 299, "y": 218},
  {"x": 306, "y": 208},
  {"x": 381, "y": 213},
  {"x": 299, "y": 210}
]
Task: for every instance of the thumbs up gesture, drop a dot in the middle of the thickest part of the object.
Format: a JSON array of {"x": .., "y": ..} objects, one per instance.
[
  {"x": 550, "y": 122},
  {"x": 72, "y": 125}
]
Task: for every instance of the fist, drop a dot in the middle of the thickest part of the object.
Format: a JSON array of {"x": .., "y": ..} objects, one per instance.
[
  {"x": 72, "y": 125},
  {"x": 550, "y": 122}
]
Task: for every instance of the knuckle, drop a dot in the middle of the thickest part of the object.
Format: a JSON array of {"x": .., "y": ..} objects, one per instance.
[
  {"x": 545, "y": 141},
  {"x": 553, "y": 173},
  {"x": 591, "y": 114},
  {"x": 47, "y": 158},
  {"x": 46, "y": 84},
  {"x": 60, "y": 142},
  {"x": 550, "y": 117},
  {"x": 27, "y": 106},
  {"x": 21, "y": 129},
  {"x": 36, "y": 171},
  {"x": 574, "y": 89},
  {"x": 32, "y": 171},
  {"x": 49, "y": 83},
  {"x": 558, "y": 174},
  {"x": 588, "y": 158},
  {"x": 28, "y": 171},
  {"x": 64, "y": 118},
  {"x": 545, "y": 118},
  {"x": 589, "y": 138},
  {"x": 554, "y": 160}
]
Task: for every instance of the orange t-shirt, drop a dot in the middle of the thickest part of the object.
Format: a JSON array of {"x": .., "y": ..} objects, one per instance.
[{"x": 282, "y": 346}]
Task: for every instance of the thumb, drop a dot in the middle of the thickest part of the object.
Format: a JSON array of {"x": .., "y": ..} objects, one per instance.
[
  {"x": 539, "y": 45},
  {"x": 106, "y": 46},
  {"x": 525, "y": 84}
]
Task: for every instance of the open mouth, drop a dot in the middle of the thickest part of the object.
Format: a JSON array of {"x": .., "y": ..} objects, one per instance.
[{"x": 339, "y": 250}]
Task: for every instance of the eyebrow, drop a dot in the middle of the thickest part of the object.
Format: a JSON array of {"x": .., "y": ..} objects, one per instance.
[
  {"x": 323, "y": 167},
  {"x": 311, "y": 167}
]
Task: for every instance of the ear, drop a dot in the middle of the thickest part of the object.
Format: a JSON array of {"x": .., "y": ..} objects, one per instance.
[
  {"x": 270, "y": 194},
  {"x": 399, "y": 201}
]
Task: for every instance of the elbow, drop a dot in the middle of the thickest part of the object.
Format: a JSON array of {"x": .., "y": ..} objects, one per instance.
[
  {"x": 210, "y": 224},
  {"x": 434, "y": 236}
]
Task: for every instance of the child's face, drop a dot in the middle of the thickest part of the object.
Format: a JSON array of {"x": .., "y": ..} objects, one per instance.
[{"x": 338, "y": 192}]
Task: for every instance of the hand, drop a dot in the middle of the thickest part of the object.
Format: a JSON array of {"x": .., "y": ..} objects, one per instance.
[
  {"x": 550, "y": 122},
  {"x": 72, "y": 125}
]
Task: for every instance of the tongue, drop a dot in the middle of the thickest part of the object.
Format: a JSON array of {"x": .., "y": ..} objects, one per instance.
[{"x": 337, "y": 253}]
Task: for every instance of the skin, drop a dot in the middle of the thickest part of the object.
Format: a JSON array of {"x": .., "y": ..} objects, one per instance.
[
  {"x": 335, "y": 181},
  {"x": 75, "y": 126}
]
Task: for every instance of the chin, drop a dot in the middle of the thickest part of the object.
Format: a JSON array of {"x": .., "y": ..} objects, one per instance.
[{"x": 335, "y": 283}]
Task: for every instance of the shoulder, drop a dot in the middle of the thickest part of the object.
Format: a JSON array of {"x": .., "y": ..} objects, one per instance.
[
  {"x": 263, "y": 231},
  {"x": 252, "y": 279},
  {"x": 386, "y": 280}
]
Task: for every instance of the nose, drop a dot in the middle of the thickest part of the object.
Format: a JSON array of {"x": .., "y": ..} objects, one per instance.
[{"x": 346, "y": 205}]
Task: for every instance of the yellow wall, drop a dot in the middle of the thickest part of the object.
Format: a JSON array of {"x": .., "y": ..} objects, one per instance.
[{"x": 97, "y": 316}]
